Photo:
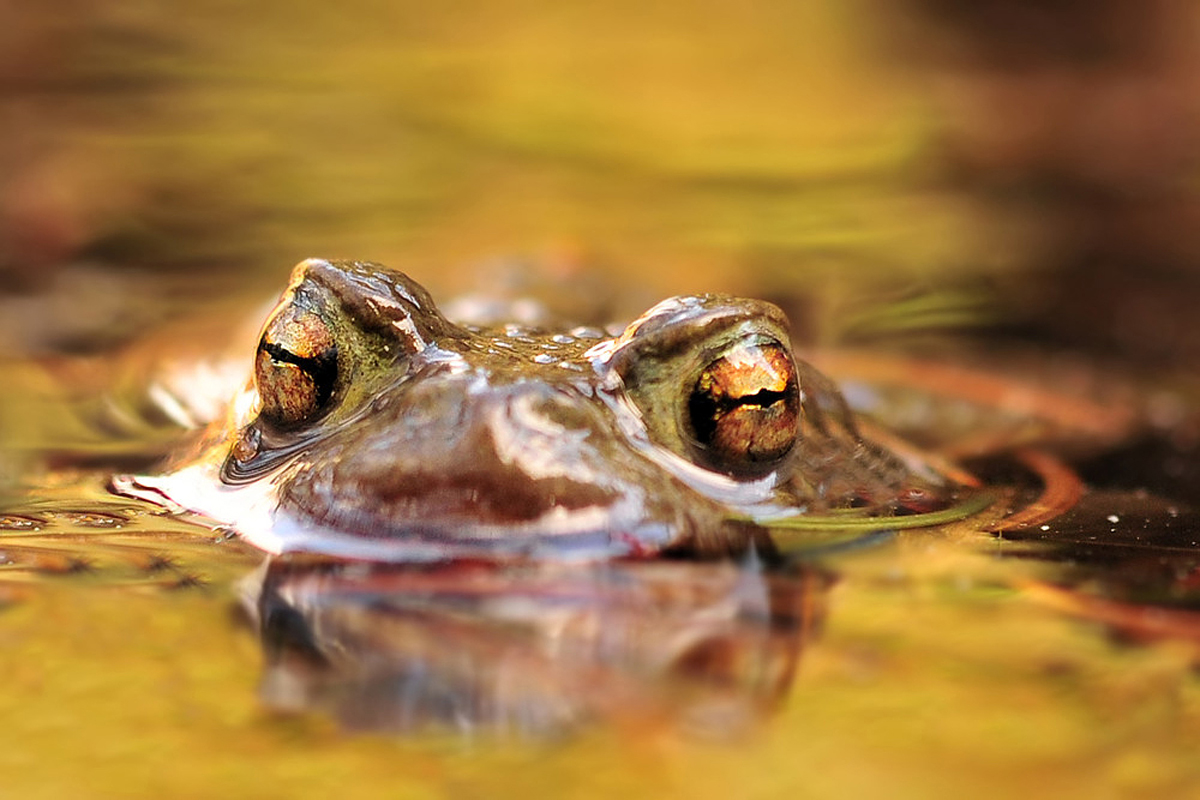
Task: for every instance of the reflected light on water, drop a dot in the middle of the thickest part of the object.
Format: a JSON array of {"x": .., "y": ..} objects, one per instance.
[{"x": 538, "y": 650}]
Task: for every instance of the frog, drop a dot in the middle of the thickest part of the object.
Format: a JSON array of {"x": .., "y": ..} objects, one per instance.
[{"x": 375, "y": 426}]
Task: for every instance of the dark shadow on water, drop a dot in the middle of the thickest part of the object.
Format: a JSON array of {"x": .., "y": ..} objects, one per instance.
[{"x": 1129, "y": 546}]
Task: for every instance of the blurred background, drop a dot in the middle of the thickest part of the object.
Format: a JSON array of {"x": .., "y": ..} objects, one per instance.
[{"x": 882, "y": 168}]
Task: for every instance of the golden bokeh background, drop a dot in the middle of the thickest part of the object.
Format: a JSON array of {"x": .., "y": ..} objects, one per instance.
[{"x": 957, "y": 163}]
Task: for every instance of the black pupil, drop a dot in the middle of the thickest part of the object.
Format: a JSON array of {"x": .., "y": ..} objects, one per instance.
[
  {"x": 322, "y": 369},
  {"x": 706, "y": 411}
]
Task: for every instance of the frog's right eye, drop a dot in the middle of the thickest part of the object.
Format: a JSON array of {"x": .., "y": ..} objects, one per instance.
[{"x": 296, "y": 368}]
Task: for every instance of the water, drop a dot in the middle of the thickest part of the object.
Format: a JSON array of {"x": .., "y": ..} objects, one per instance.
[{"x": 149, "y": 655}]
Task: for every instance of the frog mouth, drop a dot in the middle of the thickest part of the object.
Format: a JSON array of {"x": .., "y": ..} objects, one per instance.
[
  {"x": 475, "y": 513},
  {"x": 582, "y": 534},
  {"x": 612, "y": 527}
]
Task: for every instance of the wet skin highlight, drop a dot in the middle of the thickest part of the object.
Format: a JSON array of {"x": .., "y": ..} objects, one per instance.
[{"x": 375, "y": 427}]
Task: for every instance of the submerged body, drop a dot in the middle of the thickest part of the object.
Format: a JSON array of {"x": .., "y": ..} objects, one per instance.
[{"x": 375, "y": 427}]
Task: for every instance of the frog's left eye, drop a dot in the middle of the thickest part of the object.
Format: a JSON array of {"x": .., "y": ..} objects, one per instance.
[
  {"x": 295, "y": 369},
  {"x": 744, "y": 409}
]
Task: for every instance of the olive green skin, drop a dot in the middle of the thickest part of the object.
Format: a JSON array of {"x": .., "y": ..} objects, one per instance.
[{"x": 433, "y": 439}]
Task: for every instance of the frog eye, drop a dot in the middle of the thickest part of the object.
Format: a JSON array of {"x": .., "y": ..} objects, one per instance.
[
  {"x": 744, "y": 409},
  {"x": 295, "y": 369}
]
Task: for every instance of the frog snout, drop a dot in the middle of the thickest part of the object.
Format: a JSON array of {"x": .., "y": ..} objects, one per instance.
[
  {"x": 454, "y": 453},
  {"x": 530, "y": 462}
]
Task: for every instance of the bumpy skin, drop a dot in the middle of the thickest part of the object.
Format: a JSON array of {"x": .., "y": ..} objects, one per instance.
[{"x": 376, "y": 428}]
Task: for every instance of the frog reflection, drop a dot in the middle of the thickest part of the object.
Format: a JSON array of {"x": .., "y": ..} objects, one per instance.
[
  {"x": 376, "y": 428},
  {"x": 538, "y": 649}
]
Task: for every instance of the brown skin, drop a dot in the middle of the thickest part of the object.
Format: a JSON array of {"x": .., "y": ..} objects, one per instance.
[{"x": 379, "y": 419}]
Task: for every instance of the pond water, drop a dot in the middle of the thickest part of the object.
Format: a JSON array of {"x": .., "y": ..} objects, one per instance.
[{"x": 148, "y": 654}]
